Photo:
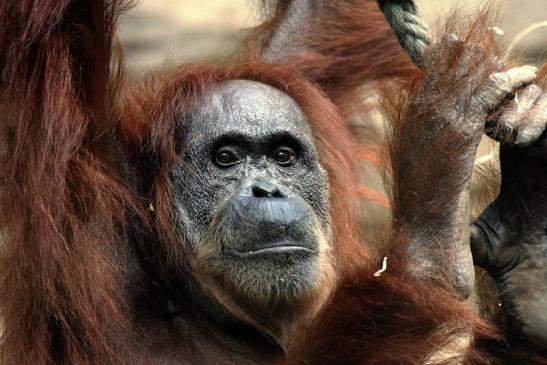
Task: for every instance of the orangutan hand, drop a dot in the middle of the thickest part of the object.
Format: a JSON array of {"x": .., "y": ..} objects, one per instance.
[
  {"x": 434, "y": 153},
  {"x": 510, "y": 238}
]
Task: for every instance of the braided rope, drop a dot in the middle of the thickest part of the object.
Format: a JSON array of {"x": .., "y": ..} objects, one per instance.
[{"x": 410, "y": 29}]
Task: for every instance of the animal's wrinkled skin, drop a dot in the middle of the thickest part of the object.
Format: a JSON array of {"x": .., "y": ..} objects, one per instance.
[
  {"x": 251, "y": 196},
  {"x": 460, "y": 114},
  {"x": 510, "y": 238}
]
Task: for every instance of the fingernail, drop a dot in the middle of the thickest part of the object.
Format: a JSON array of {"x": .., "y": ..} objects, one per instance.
[{"x": 522, "y": 139}]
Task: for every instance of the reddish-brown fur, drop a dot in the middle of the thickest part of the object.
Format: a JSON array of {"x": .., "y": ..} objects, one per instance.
[
  {"x": 67, "y": 271},
  {"x": 347, "y": 44},
  {"x": 61, "y": 206}
]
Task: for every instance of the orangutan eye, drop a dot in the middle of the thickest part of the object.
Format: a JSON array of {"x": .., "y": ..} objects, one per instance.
[
  {"x": 285, "y": 156},
  {"x": 226, "y": 156}
]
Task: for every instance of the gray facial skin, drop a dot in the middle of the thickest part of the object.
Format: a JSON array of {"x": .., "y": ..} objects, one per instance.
[{"x": 250, "y": 196}]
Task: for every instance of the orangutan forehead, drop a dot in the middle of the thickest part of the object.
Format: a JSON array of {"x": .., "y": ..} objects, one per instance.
[{"x": 243, "y": 105}]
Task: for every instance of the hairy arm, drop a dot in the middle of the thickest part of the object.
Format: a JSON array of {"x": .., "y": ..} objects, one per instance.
[
  {"x": 411, "y": 310},
  {"x": 58, "y": 203},
  {"x": 431, "y": 204},
  {"x": 437, "y": 125}
]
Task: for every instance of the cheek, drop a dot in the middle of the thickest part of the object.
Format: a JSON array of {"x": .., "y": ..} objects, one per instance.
[
  {"x": 313, "y": 186},
  {"x": 196, "y": 196}
]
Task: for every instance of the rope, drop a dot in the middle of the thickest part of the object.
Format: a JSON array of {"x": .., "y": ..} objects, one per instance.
[{"x": 410, "y": 29}]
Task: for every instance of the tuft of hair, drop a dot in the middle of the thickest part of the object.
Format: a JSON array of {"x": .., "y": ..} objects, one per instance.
[
  {"x": 390, "y": 319},
  {"x": 61, "y": 210},
  {"x": 435, "y": 157}
]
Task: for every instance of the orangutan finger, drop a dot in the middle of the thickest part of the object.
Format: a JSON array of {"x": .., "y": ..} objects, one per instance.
[
  {"x": 514, "y": 114},
  {"x": 499, "y": 86},
  {"x": 534, "y": 123}
]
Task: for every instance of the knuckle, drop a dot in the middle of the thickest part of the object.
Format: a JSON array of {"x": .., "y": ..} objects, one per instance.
[
  {"x": 532, "y": 90},
  {"x": 500, "y": 81},
  {"x": 541, "y": 103},
  {"x": 521, "y": 75}
]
